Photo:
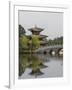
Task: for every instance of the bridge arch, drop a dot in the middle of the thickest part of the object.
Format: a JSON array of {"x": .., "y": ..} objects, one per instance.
[
  {"x": 52, "y": 52},
  {"x": 45, "y": 52},
  {"x": 60, "y": 51}
]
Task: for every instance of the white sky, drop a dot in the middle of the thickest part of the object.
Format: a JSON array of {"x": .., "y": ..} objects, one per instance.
[{"x": 51, "y": 22}]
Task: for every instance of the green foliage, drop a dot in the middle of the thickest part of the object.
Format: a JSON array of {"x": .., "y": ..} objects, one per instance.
[
  {"x": 23, "y": 41},
  {"x": 56, "y": 41},
  {"x": 35, "y": 41},
  {"x": 21, "y": 31}
]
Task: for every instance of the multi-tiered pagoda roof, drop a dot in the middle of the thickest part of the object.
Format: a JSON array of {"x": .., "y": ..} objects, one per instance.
[{"x": 36, "y": 31}]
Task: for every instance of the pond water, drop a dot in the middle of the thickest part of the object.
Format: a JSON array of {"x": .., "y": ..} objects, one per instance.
[{"x": 40, "y": 66}]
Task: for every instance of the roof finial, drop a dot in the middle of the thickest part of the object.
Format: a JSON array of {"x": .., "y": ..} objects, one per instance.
[{"x": 35, "y": 26}]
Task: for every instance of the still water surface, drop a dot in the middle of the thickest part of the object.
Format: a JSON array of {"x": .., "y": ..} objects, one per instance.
[{"x": 40, "y": 66}]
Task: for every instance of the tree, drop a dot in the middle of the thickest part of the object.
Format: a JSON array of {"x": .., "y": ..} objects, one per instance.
[
  {"x": 35, "y": 41},
  {"x": 56, "y": 41},
  {"x": 21, "y": 30},
  {"x": 23, "y": 41}
]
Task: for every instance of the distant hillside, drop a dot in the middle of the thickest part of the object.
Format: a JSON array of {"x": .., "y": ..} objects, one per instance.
[{"x": 56, "y": 41}]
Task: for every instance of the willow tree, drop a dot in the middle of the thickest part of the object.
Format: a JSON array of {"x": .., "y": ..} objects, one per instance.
[
  {"x": 35, "y": 41},
  {"x": 23, "y": 42}
]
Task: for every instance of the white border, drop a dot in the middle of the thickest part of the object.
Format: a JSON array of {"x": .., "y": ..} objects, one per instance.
[{"x": 14, "y": 82}]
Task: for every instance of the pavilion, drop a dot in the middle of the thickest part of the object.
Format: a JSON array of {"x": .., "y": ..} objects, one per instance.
[{"x": 36, "y": 31}]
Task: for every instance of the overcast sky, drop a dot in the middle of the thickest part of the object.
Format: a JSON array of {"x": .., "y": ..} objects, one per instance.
[{"x": 50, "y": 21}]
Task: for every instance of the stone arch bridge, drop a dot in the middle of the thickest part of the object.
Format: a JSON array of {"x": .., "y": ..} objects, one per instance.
[{"x": 50, "y": 49}]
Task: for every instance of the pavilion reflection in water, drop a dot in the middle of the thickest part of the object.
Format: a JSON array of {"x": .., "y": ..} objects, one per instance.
[{"x": 33, "y": 62}]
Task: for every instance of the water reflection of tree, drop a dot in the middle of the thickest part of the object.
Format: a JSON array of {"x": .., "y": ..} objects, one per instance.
[
  {"x": 23, "y": 63},
  {"x": 36, "y": 66},
  {"x": 31, "y": 61}
]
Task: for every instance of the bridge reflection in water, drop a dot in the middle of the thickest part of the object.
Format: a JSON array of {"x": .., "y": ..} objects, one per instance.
[{"x": 40, "y": 66}]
